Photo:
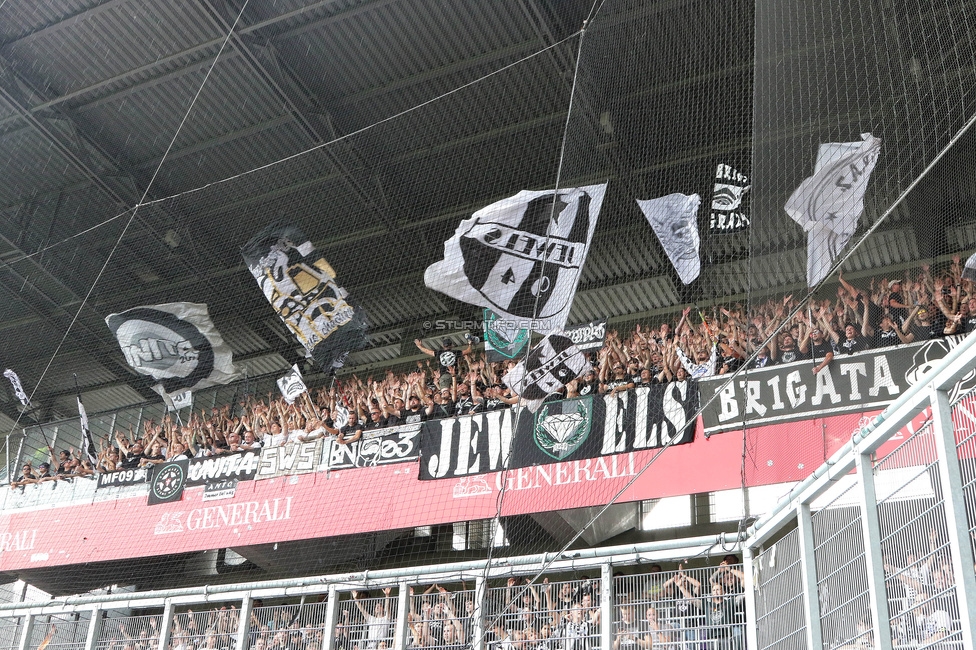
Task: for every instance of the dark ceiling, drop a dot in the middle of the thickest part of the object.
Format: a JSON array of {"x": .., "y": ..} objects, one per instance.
[{"x": 140, "y": 147}]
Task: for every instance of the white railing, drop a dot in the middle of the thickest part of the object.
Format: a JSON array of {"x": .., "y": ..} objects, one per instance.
[
  {"x": 570, "y": 602},
  {"x": 881, "y": 533}
]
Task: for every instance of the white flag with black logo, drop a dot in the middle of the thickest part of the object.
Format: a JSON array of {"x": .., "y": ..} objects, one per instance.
[
  {"x": 176, "y": 344},
  {"x": 829, "y": 204},
  {"x": 340, "y": 416},
  {"x": 521, "y": 257},
  {"x": 546, "y": 370},
  {"x": 674, "y": 219},
  {"x": 18, "y": 388},
  {"x": 291, "y": 385}
]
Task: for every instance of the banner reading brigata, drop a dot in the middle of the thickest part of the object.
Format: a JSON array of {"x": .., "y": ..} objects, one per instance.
[
  {"x": 572, "y": 429},
  {"x": 850, "y": 384}
]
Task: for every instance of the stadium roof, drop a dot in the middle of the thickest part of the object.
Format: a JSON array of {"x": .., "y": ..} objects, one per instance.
[{"x": 93, "y": 91}]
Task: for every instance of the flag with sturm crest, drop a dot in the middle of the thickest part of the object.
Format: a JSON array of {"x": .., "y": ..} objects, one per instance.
[
  {"x": 546, "y": 370},
  {"x": 521, "y": 257}
]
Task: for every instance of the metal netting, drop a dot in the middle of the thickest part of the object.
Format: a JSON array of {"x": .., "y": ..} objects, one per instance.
[
  {"x": 60, "y": 631},
  {"x": 130, "y": 633},
  {"x": 918, "y": 569},
  {"x": 378, "y": 131},
  {"x": 780, "y": 620},
  {"x": 842, "y": 588}
]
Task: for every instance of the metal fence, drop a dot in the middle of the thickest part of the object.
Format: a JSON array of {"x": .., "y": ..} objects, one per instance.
[
  {"x": 778, "y": 596},
  {"x": 881, "y": 548}
]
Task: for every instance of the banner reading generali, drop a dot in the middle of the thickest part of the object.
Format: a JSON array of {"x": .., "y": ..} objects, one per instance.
[
  {"x": 855, "y": 383},
  {"x": 579, "y": 428}
]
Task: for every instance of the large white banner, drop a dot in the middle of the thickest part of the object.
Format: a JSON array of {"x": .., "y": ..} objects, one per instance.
[
  {"x": 521, "y": 257},
  {"x": 829, "y": 204},
  {"x": 176, "y": 344}
]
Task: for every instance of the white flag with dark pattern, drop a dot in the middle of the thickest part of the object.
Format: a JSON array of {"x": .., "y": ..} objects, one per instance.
[
  {"x": 18, "y": 388},
  {"x": 546, "y": 370},
  {"x": 291, "y": 385},
  {"x": 674, "y": 219},
  {"x": 829, "y": 204},
  {"x": 521, "y": 257},
  {"x": 969, "y": 270}
]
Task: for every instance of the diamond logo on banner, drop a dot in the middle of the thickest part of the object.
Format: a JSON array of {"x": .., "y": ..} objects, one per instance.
[
  {"x": 561, "y": 427},
  {"x": 503, "y": 339}
]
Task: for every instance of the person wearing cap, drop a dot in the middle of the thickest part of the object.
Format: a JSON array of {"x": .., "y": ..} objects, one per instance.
[
  {"x": 785, "y": 351},
  {"x": 851, "y": 340},
  {"x": 44, "y": 473},
  {"x": 896, "y": 303}
]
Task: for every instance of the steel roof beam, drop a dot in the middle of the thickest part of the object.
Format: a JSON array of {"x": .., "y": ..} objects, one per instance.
[{"x": 264, "y": 63}]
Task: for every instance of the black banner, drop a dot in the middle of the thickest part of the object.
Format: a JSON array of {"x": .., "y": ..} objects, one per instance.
[
  {"x": 577, "y": 428},
  {"x": 167, "y": 480},
  {"x": 730, "y": 201},
  {"x": 850, "y": 384},
  {"x": 123, "y": 477},
  {"x": 377, "y": 447},
  {"x": 589, "y": 336},
  {"x": 241, "y": 465}
]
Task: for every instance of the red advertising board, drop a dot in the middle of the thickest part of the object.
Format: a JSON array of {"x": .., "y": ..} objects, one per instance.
[{"x": 327, "y": 504}]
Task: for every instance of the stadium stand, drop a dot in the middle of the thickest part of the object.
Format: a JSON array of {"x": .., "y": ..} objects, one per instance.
[{"x": 520, "y": 325}]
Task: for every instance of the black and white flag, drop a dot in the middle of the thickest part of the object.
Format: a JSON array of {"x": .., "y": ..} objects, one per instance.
[
  {"x": 18, "y": 388},
  {"x": 291, "y": 385},
  {"x": 340, "y": 416},
  {"x": 521, "y": 257},
  {"x": 87, "y": 442},
  {"x": 674, "y": 219},
  {"x": 546, "y": 370},
  {"x": 301, "y": 286},
  {"x": 176, "y": 344},
  {"x": 969, "y": 270},
  {"x": 829, "y": 204},
  {"x": 730, "y": 212}
]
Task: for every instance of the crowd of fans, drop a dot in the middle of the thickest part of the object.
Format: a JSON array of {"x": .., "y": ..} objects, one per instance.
[
  {"x": 678, "y": 610},
  {"x": 455, "y": 381}
]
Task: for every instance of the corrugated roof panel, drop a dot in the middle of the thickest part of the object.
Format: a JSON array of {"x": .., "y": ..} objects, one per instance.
[
  {"x": 31, "y": 165},
  {"x": 104, "y": 399},
  {"x": 116, "y": 39},
  {"x": 264, "y": 365}
]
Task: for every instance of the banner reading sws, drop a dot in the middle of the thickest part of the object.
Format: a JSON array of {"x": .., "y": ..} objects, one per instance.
[
  {"x": 577, "y": 428},
  {"x": 854, "y": 383}
]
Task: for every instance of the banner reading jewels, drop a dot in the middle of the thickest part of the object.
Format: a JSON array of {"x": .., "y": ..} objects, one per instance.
[
  {"x": 572, "y": 429},
  {"x": 850, "y": 384}
]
